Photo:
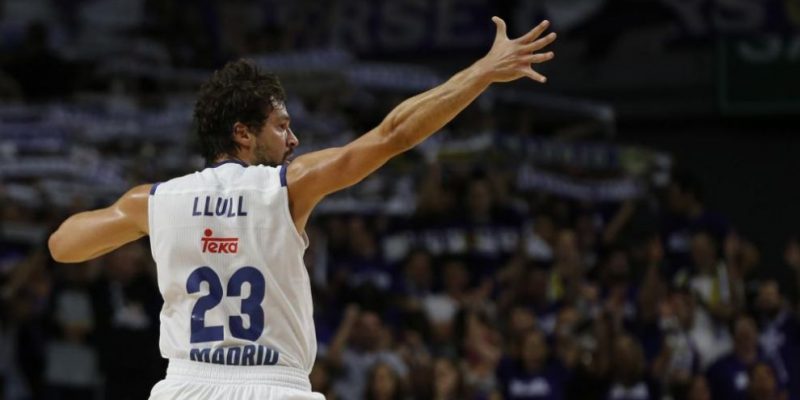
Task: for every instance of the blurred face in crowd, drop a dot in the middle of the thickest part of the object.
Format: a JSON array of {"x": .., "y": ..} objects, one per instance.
[
  {"x": 678, "y": 201},
  {"x": 683, "y": 306},
  {"x": 769, "y": 298},
  {"x": 763, "y": 385},
  {"x": 629, "y": 359},
  {"x": 480, "y": 198},
  {"x": 275, "y": 142},
  {"x": 367, "y": 332},
  {"x": 745, "y": 336},
  {"x": 535, "y": 288},
  {"x": 534, "y": 351},
  {"x": 792, "y": 253},
  {"x": 566, "y": 247},
  {"x": 418, "y": 269},
  {"x": 567, "y": 320},
  {"x": 446, "y": 377},
  {"x": 698, "y": 389},
  {"x": 456, "y": 277},
  {"x": 384, "y": 382},
  {"x": 704, "y": 253},
  {"x": 521, "y": 320},
  {"x": 362, "y": 241},
  {"x": 616, "y": 268},
  {"x": 545, "y": 228},
  {"x": 585, "y": 229}
]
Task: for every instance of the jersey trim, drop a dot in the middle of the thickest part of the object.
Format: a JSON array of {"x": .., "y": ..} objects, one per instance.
[
  {"x": 283, "y": 175},
  {"x": 229, "y": 161},
  {"x": 153, "y": 188}
]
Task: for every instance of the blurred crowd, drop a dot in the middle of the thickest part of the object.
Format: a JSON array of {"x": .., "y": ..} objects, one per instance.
[
  {"x": 568, "y": 300},
  {"x": 483, "y": 292},
  {"x": 458, "y": 272}
]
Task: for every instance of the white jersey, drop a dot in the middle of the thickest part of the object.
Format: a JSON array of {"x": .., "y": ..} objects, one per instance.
[{"x": 230, "y": 269}]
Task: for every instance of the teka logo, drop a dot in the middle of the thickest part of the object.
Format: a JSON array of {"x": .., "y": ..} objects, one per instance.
[{"x": 219, "y": 245}]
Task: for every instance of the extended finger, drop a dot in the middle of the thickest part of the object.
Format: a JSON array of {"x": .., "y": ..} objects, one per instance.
[
  {"x": 539, "y": 57},
  {"x": 530, "y": 73},
  {"x": 535, "y": 32},
  {"x": 501, "y": 28},
  {"x": 539, "y": 44}
]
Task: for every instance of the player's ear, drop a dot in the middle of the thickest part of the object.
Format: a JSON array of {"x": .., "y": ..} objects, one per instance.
[{"x": 241, "y": 134}]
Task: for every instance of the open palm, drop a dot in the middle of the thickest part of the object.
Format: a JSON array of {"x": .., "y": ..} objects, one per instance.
[{"x": 511, "y": 59}]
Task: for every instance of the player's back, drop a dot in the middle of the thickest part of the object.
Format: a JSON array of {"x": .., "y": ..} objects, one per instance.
[{"x": 230, "y": 269}]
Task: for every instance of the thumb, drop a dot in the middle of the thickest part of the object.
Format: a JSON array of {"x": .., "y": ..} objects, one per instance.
[{"x": 501, "y": 28}]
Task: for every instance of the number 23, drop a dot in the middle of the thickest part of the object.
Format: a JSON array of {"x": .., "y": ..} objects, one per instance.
[{"x": 250, "y": 305}]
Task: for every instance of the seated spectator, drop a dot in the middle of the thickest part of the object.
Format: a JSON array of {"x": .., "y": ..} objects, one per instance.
[
  {"x": 698, "y": 389},
  {"x": 728, "y": 377},
  {"x": 629, "y": 379},
  {"x": 448, "y": 381},
  {"x": 532, "y": 374},
  {"x": 779, "y": 335},
  {"x": 763, "y": 384},
  {"x": 383, "y": 383},
  {"x": 678, "y": 360},
  {"x": 361, "y": 342},
  {"x": 479, "y": 348}
]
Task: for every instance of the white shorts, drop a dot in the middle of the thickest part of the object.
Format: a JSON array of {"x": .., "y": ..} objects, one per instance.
[{"x": 201, "y": 381}]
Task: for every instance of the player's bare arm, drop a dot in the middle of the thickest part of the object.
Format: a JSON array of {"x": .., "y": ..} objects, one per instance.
[
  {"x": 312, "y": 176},
  {"x": 91, "y": 234}
]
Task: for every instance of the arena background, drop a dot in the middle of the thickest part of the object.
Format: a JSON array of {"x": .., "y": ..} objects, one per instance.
[{"x": 626, "y": 231}]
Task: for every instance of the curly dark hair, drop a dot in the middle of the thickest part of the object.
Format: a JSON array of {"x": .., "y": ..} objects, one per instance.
[{"x": 239, "y": 92}]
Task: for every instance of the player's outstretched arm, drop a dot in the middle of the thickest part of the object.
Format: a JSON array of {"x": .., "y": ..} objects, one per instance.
[
  {"x": 314, "y": 175},
  {"x": 91, "y": 234}
]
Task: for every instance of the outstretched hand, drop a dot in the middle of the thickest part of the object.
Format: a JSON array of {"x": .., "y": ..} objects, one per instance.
[{"x": 511, "y": 59}]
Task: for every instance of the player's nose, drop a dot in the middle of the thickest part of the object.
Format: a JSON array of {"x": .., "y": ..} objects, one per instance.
[{"x": 293, "y": 141}]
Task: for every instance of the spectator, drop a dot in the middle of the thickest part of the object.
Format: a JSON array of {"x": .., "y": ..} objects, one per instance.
[
  {"x": 448, "y": 382},
  {"x": 629, "y": 379},
  {"x": 479, "y": 348},
  {"x": 678, "y": 361},
  {"x": 360, "y": 343},
  {"x": 779, "y": 335},
  {"x": 763, "y": 384},
  {"x": 383, "y": 383},
  {"x": 127, "y": 304},
  {"x": 687, "y": 214},
  {"x": 698, "y": 389},
  {"x": 539, "y": 239},
  {"x": 728, "y": 377},
  {"x": 71, "y": 356},
  {"x": 532, "y": 373}
]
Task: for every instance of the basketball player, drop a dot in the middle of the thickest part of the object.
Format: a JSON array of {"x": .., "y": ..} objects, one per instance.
[{"x": 228, "y": 241}]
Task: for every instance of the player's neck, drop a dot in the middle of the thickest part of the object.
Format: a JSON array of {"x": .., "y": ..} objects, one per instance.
[{"x": 227, "y": 158}]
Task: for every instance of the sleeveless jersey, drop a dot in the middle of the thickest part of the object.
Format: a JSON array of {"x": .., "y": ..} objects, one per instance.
[{"x": 230, "y": 269}]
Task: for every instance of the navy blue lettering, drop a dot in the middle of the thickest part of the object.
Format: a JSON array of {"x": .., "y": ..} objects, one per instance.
[
  {"x": 222, "y": 206},
  {"x": 260, "y": 355},
  {"x": 234, "y": 354},
  {"x": 240, "y": 355},
  {"x": 194, "y": 208},
  {"x": 219, "y": 356},
  {"x": 241, "y": 212},
  {"x": 247, "y": 355},
  {"x": 199, "y": 354},
  {"x": 230, "y": 210},
  {"x": 271, "y": 357},
  {"x": 207, "y": 210}
]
